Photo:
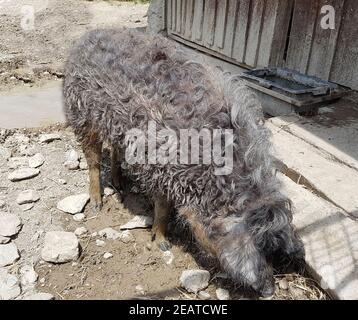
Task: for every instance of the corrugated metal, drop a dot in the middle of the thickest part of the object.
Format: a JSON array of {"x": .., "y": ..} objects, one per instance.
[{"x": 260, "y": 33}]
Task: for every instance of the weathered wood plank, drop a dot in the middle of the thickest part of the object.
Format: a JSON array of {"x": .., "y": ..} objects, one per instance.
[
  {"x": 241, "y": 31},
  {"x": 183, "y": 16},
  {"x": 345, "y": 64},
  {"x": 283, "y": 19},
  {"x": 178, "y": 17},
  {"x": 303, "y": 25},
  {"x": 169, "y": 15},
  {"x": 267, "y": 35},
  {"x": 220, "y": 27},
  {"x": 174, "y": 14},
  {"x": 209, "y": 22},
  {"x": 232, "y": 11},
  {"x": 198, "y": 20},
  {"x": 325, "y": 42},
  {"x": 189, "y": 19},
  {"x": 255, "y": 31}
]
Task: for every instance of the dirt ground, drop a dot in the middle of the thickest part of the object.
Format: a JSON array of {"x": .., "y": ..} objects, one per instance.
[
  {"x": 33, "y": 57},
  {"x": 138, "y": 269}
]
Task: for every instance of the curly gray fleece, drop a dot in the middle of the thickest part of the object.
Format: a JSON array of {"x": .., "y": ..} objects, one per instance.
[{"x": 116, "y": 80}]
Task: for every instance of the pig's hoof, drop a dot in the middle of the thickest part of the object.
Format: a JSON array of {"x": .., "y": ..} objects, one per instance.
[
  {"x": 96, "y": 206},
  {"x": 164, "y": 246}
]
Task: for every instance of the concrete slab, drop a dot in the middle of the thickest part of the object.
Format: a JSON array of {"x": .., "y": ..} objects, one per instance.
[
  {"x": 32, "y": 107},
  {"x": 334, "y": 179},
  {"x": 334, "y": 130},
  {"x": 330, "y": 238}
]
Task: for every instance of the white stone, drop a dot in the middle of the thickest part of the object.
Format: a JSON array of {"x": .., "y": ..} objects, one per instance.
[
  {"x": 168, "y": 257},
  {"x": 222, "y": 294},
  {"x": 138, "y": 222},
  {"x": 60, "y": 247},
  {"x": 28, "y": 276},
  {"x": 46, "y": 138},
  {"x": 16, "y": 162},
  {"x": 4, "y": 240},
  {"x": 39, "y": 296},
  {"x": 80, "y": 231},
  {"x": 203, "y": 295},
  {"x": 109, "y": 233},
  {"x": 79, "y": 217},
  {"x": 126, "y": 236},
  {"x": 62, "y": 181},
  {"x": 27, "y": 206},
  {"x": 139, "y": 289},
  {"x": 72, "y": 165},
  {"x": 83, "y": 165},
  {"x": 22, "y": 174},
  {"x": 9, "y": 285},
  {"x": 10, "y": 224},
  {"x": 27, "y": 196},
  {"x": 72, "y": 155},
  {"x": 36, "y": 161},
  {"x": 8, "y": 254},
  {"x": 194, "y": 280},
  {"x": 107, "y": 255},
  {"x": 100, "y": 243},
  {"x": 5, "y": 153},
  {"x": 108, "y": 191},
  {"x": 73, "y": 204}
]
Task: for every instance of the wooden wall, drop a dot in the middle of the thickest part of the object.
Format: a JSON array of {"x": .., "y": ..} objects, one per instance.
[{"x": 260, "y": 33}]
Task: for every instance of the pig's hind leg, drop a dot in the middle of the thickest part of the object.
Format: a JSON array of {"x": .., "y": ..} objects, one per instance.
[
  {"x": 92, "y": 148},
  {"x": 161, "y": 217}
]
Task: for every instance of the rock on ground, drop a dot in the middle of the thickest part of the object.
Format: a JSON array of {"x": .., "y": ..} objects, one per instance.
[
  {"x": 60, "y": 247},
  {"x": 28, "y": 276},
  {"x": 27, "y": 196},
  {"x": 80, "y": 231},
  {"x": 10, "y": 224},
  {"x": 8, "y": 254},
  {"x": 9, "y": 285},
  {"x": 194, "y": 280},
  {"x": 73, "y": 204},
  {"x": 46, "y": 138},
  {"x": 36, "y": 161},
  {"x": 222, "y": 294},
  {"x": 23, "y": 174},
  {"x": 138, "y": 222},
  {"x": 204, "y": 295},
  {"x": 79, "y": 217},
  {"x": 72, "y": 160},
  {"x": 39, "y": 296},
  {"x": 107, "y": 255}
]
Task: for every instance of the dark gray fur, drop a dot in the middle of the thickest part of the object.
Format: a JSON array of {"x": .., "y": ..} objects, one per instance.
[{"x": 117, "y": 80}]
